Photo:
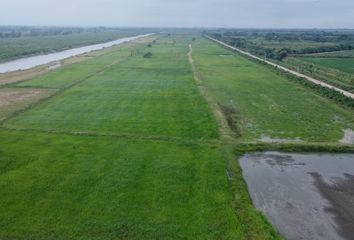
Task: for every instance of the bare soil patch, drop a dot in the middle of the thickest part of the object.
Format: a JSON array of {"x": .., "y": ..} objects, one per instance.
[
  {"x": 12, "y": 100},
  {"x": 348, "y": 137},
  {"x": 268, "y": 139},
  {"x": 11, "y": 96}
]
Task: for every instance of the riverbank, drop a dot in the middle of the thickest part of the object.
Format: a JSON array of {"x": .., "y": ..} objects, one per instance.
[{"x": 34, "y": 61}]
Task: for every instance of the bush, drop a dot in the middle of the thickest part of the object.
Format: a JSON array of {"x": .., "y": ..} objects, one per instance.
[{"x": 148, "y": 55}]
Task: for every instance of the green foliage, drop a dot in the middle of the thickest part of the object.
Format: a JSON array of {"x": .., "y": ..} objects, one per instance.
[
  {"x": 277, "y": 44},
  {"x": 148, "y": 55}
]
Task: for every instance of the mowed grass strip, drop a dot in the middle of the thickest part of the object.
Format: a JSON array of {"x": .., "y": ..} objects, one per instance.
[
  {"x": 79, "y": 187},
  {"x": 268, "y": 104},
  {"x": 153, "y": 97}
]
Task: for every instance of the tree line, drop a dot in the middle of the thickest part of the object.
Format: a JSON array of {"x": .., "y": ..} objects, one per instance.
[{"x": 252, "y": 41}]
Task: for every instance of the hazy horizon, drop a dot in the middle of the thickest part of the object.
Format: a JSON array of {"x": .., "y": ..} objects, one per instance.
[{"x": 298, "y": 14}]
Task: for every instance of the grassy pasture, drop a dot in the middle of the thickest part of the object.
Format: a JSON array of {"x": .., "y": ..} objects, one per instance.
[
  {"x": 76, "y": 187},
  {"x": 336, "y": 54},
  {"x": 146, "y": 97},
  {"x": 153, "y": 165},
  {"x": 268, "y": 103},
  {"x": 341, "y": 64},
  {"x": 135, "y": 185}
]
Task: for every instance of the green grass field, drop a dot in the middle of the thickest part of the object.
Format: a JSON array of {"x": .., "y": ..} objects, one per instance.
[
  {"x": 129, "y": 147},
  {"x": 127, "y": 98},
  {"x": 341, "y": 64},
  {"x": 268, "y": 104},
  {"x": 77, "y": 187},
  {"x": 339, "y": 54}
]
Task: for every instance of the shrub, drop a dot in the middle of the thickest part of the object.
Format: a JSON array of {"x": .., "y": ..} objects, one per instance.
[{"x": 148, "y": 55}]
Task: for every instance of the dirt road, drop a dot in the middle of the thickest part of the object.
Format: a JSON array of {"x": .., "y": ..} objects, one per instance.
[
  {"x": 313, "y": 80},
  {"x": 224, "y": 129}
]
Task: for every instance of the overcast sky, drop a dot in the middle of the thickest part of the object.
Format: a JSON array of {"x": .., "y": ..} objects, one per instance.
[{"x": 181, "y": 13}]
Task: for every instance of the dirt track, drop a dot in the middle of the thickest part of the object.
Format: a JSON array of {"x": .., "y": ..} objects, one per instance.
[
  {"x": 224, "y": 128},
  {"x": 313, "y": 80}
]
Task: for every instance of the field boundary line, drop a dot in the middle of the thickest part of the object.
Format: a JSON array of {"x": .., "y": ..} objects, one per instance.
[
  {"x": 178, "y": 140},
  {"x": 295, "y": 73},
  {"x": 223, "y": 126}
]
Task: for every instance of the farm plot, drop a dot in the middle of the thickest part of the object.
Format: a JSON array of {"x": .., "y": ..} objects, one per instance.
[
  {"x": 341, "y": 64},
  {"x": 79, "y": 187},
  {"x": 147, "y": 97},
  {"x": 269, "y": 105},
  {"x": 151, "y": 168}
]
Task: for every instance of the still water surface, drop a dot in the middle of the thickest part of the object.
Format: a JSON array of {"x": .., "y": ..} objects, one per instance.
[
  {"x": 31, "y": 62},
  {"x": 305, "y": 196}
]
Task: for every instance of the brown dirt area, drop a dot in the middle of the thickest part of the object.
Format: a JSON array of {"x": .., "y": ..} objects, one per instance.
[
  {"x": 11, "y": 96},
  {"x": 12, "y": 100}
]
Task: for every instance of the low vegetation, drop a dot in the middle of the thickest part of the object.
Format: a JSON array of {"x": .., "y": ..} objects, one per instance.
[
  {"x": 342, "y": 64},
  {"x": 128, "y": 147},
  {"x": 28, "y": 42},
  {"x": 324, "y": 55},
  {"x": 268, "y": 103},
  {"x": 116, "y": 153}
]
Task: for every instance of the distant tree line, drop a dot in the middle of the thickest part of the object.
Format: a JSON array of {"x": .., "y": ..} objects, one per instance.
[
  {"x": 17, "y": 32},
  {"x": 253, "y": 40},
  {"x": 294, "y": 35}
]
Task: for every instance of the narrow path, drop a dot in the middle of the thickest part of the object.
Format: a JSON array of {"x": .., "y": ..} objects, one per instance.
[
  {"x": 313, "y": 80},
  {"x": 224, "y": 129}
]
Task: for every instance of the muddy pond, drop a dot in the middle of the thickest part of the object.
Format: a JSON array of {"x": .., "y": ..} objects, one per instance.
[{"x": 305, "y": 196}]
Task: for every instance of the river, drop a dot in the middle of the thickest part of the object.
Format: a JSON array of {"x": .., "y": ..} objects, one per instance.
[{"x": 34, "y": 61}]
